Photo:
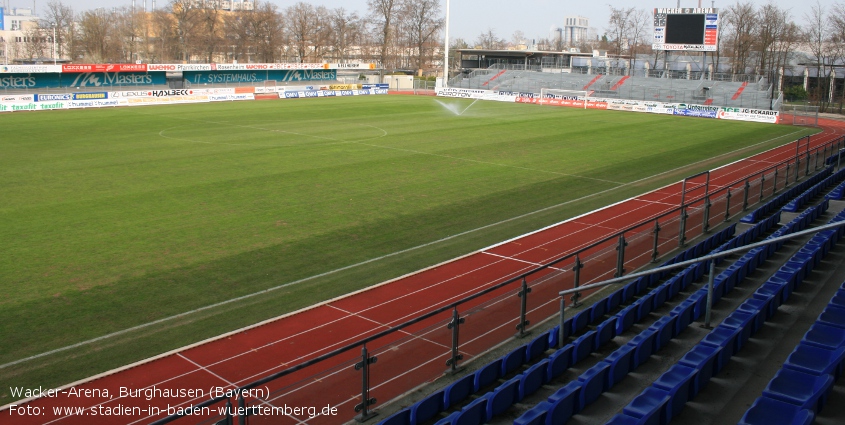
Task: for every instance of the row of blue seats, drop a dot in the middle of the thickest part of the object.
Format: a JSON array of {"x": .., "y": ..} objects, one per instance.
[
  {"x": 800, "y": 389},
  {"x": 573, "y": 397},
  {"x": 838, "y": 193},
  {"x": 799, "y": 201},
  {"x": 517, "y": 387},
  {"x": 779, "y": 201},
  {"x": 666, "y": 397}
]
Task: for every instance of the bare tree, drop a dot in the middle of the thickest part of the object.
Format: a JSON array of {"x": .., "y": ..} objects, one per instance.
[
  {"x": 619, "y": 29},
  {"x": 303, "y": 27},
  {"x": 422, "y": 22},
  {"x": 61, "y": 16},
  {"x": 638, "y": 23},
  {"x": 740, "y": 20},
  {"x": 97, "y": 36},
  {"x": 346, "y": 32},
  {"x": 164, "y": 46},
  {"x": 821, "y": 39},
  {"x": 187, "y": 16},
  {"x": 489, "y": 40},
  {"x": 381, "y": 15}
]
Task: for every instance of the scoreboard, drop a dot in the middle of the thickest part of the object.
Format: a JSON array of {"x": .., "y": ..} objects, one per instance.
[{"x": 690, "y": 29}]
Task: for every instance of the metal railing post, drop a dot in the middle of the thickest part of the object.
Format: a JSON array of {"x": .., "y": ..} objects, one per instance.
[
  {"x": 728, "y": 205},
  {"x": 706, "y": 225},
  {"x": 363, "y": 409},
  {"x": 707, "y": 311},
  {"x": 576, "y": 269},
  {"x": 229, "y": 412},
  {"x": 762, "y": 185},
  {"x": 786, "y": 177},
  {"x": 682, "y": 234},
  {"x": 455, "y": 325},
  {"x": 241, "y": 410},
  {"x": 523, "y": 308},
  {"x": 560, "y": 332},
  {"x": 654, "y": 251},
  {"x": 807, "y": 165},
  {"x": 620, "y": 256},
  {"x": 775, "y": 182},
  {"x": 745, "y": 195}
]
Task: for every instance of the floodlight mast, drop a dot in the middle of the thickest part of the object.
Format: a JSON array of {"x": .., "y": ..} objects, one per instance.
[{"x": 446, "y": 50}]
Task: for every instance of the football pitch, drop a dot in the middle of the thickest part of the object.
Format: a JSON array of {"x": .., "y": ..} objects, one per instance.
[{"x": 162, "y": 226}]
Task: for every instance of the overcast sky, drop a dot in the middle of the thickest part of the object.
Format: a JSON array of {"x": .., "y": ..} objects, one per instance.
[{"x": 470, "y": 18}]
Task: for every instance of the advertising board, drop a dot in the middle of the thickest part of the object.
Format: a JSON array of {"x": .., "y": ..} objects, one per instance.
[
  {"x": 747, "y": 114},
  {"x": 686, "y": 29}
]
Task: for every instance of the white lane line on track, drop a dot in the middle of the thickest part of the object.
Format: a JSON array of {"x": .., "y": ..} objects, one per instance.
[{"x": 521, "y": 261}]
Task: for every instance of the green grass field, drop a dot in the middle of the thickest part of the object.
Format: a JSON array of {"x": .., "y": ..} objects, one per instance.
[{"x": 114, "y": 218}]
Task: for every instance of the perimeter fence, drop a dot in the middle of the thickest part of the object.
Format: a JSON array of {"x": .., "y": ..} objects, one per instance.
[{"x": 355, "y": 378}]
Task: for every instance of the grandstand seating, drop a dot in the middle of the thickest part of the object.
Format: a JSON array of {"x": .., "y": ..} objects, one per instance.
[{"x": 519, "y": 374}]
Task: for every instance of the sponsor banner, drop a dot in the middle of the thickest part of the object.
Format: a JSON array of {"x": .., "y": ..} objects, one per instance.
[
  {"x": 18, "y": 81},
  {"x": 460, "y": 93},
  {"x": 746, "y": 114},
  {"x": 226, "y": 97},
  {"x": 350, "y": 66},
  {"x": 114, "y": 79},
  {"x": 343, "y": 87},
  {"x": 297, "y": 94},
  {"x": 221, "y": 90},
  {"x": 93, "y": 103},
  {"x": 696, "y": 113},
  {"x": 17, "y": 98},
  {"x": 265, "y": 66},
  {"x": 519, "y": 94},
  {"x": 201, "y": 77},
  {"x": 178, "y": 67},
  {"x": 166, "y": 100},
  {"x": 29, "y": 69},
  {"x": 52, "y": 97},
  {"x": 572, "y": 103},
  {"x": 375, "y": 86},
  {"x": 694, "y": 47},
  {"x": 108, "y": 67},
  {"x": 91, "y": 96}
]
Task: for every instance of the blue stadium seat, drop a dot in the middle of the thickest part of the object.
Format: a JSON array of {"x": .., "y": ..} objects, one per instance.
[
  {"x": 598, "y": 310},
  {"x": 535, "y": 415},
  {"x": 537, "y": 347},
  {"x": 620, "y": 361},
  {"x": 643, "y": 345},
  {"x": 614, "y": 300},
  {"x": 474, "y": 413},
  {"x": 832, "y": 316},
  {"x": 816, "y": 360},
  {"x": 725, "y": 338},
  {"x": 605, "y": 331},
  {"x": 623, "y": 419},
  {"x": 458, "y": 391},
  {"x": 532, "y": 379},
  {"x": 583, "y": 346},
  {"x": 652, "y": 405},
  {"x": 664, "y": 331},
  {"x": 559, "y": 362},
  {"x": 678, "y": 382},
  {"x": 644, "y": 305},
  {"x": 703, "y": 359},
  {"x": 565, "y": 403},
  {"x": 757, "y": 307},
  {"x": 427, "y": 408},
  {"x": 825, "y": 336},
  {"x": 626, "y": 318},
  {"x": 513, "y": 360},
  {"x": 799, "y": 388},
  {"x": 402, "y": 417},
  {"x": 744, "y": 322},
  {"x": 593, "y": 383},
  {"x": 487, "y": 375},
  {"x": 580, "y": 321},
  {"x": 684, "y": 313},
  {"x": 448, "y": 420},
  {"x": 502, "y": 398}
]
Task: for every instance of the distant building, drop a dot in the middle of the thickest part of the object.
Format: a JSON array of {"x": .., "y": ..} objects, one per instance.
[
  {"x": 14, "y": 26},
  {"x": 575, "y": 29},
  {"x": 225, "y": 4}
]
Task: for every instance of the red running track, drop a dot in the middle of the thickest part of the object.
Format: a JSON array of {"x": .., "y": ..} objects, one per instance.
[{"x": 407, "y": 358}]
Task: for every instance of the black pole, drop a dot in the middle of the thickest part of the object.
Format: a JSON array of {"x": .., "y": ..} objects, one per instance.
[
  {"x": 363, "y": 409},
  {"x": 523, "y": 309},
  {"x": 454, "y": 325}
]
